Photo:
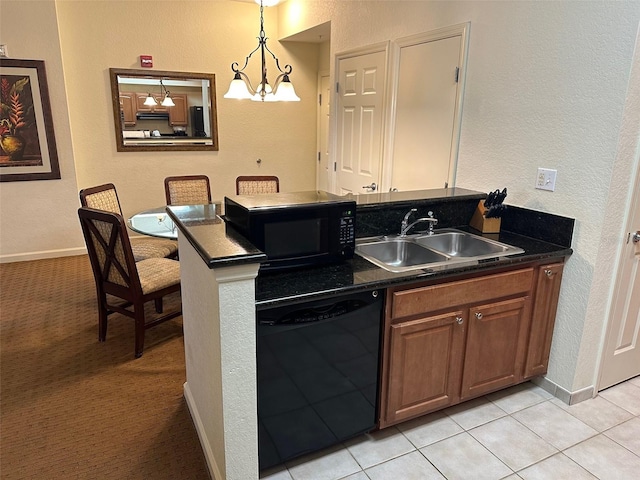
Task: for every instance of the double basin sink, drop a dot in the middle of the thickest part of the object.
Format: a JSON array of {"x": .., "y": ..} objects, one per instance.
[{"x": 424, "y": 251}]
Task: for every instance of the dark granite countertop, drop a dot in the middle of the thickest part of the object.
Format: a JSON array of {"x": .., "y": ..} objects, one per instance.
[
  {"x": 541, "y": 236},
  {"x": 274, "y": 288},
  {"x": 217, "y": 244}
]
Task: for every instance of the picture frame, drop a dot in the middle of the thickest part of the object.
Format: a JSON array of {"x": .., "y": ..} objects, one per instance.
[{"x": 27, "y": 140}]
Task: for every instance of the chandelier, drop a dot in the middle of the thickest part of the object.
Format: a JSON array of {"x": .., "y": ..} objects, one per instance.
[
  {"x": 167, "y": 101},
  {"x": 282, "y": 89}
]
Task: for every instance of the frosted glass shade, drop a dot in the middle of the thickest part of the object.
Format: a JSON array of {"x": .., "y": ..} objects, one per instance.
[
  {"x": 150, "y": 101},
  {"x": 286, "y": 92},
  {"x": 168, "y": 101},
  {"x": 238, "y": 89}
]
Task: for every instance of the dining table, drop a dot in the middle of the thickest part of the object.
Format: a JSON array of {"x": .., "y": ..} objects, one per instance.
[{"x": 156, "y": 222}]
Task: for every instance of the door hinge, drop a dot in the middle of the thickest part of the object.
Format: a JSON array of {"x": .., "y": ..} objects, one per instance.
[
  {"x": 337, "y": 87},
  {"x": 457, "y": 74},
  {"x": 335, "y": 166},
  {"x": 318, "y": 156},
  {"x": 319, "y": 99}
]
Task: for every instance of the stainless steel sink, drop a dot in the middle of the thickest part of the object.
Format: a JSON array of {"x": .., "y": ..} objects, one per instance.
[
  {"x": 398, "y": 254},
  {"x": 415, "y": 252},
  {"x": 463, "y": 244}
]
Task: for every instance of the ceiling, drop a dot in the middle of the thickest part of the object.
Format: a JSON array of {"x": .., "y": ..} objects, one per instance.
[{"x": 318, "y": 34}]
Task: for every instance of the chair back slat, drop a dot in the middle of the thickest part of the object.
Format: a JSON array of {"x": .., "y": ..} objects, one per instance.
[
  {"x": 256, "y": 184},
  {"x": 187, "y": 190},
  {"x": 109, "y": 248}
]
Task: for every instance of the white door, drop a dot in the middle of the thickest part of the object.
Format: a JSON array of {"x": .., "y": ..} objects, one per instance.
[
  {"x": 322, "y": 171},
  {"x": 359, "y": 115},
  {"x": 427, "y": 108},
  {"x": 621, "y": 356}
]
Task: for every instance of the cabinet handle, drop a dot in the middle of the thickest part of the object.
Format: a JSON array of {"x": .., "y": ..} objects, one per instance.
[
  {"x": 548, "y": 272},
  {"x": 459, "y": 320},
  {"x": 479, "y": 315}
]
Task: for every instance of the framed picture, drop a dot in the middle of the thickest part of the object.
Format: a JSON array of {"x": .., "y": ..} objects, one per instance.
[{"x": 27, "y": 142}]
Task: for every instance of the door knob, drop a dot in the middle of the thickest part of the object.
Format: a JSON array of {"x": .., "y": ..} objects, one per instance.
[
  {"x": 371, "y": 188},
  {"x": 635, "y": 238},
  {"x": 459, "y": 320},
  {"x": 479, "y": 315}
]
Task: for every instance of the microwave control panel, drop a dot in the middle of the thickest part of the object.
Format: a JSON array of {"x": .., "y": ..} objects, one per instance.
[{"x": 347, "y": 232}]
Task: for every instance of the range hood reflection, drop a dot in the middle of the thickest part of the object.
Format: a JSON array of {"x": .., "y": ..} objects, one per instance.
[{"x": 152, "y": 116}]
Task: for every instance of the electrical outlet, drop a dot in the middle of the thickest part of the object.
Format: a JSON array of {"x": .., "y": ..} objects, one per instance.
[
  {"x": 546, "y": 179},
  {"x": 4, "y": 52}
]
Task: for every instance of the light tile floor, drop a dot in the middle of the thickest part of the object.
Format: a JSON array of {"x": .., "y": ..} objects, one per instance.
[{"x": 519, "y": 433}]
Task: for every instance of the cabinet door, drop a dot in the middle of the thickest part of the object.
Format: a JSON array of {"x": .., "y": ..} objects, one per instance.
[
  {"x": 141, "y": 107},
  {"x": 127, "y": 106},
  {"x": 178, "y": 113},
  {"x": 543, "y": 319},
  {"x": 496, "y": 346},
  {"x": 424, "y": 366}
]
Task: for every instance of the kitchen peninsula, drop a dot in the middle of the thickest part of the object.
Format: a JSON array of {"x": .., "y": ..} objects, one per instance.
[{"x": 221, "y": 291}]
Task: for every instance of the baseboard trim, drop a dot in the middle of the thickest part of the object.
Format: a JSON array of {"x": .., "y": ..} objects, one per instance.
[
  {"x": 214, "y": 471},
  {"x": 25, "y": 257},
  {"x": 570, "y": 398}
]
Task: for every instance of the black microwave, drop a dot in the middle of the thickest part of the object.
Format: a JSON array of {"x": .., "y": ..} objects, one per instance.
[{"x": 295, "y": 229}]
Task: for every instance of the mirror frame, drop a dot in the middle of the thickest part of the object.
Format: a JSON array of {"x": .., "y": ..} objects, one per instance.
[{"x": 114, "y": 73}]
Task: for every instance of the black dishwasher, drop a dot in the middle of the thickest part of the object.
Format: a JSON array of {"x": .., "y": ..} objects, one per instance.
[{"x": 318, "y": 368}]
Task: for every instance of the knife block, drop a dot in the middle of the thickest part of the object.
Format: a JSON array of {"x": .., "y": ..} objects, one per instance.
[{"x": 483, "y": 224}]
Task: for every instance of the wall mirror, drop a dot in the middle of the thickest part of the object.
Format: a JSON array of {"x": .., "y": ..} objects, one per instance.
[{"x": 164, "y": 111}]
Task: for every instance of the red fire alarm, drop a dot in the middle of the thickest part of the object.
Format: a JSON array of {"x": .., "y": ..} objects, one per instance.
[{"x": 146, "y": 61}]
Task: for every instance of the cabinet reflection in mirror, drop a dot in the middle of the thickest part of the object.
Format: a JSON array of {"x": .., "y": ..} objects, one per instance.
[{"x": 155, "y": 110}]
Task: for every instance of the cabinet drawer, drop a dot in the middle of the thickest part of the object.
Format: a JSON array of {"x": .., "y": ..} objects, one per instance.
[{"x": 437, "y": 297}]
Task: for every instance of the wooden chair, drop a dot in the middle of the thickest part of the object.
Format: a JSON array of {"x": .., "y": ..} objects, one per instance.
[
  {"x": 104, "y": 197},
  {"x": 119, "y": 276},
  {"x": 187, "y": 190},
  {"x": 250, "y": 185}
]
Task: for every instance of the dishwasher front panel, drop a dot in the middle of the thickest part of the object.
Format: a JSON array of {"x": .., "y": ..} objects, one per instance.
[{"x": 318, "y": 368}]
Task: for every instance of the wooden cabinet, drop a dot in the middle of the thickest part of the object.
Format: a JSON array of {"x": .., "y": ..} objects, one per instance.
[
  {"x": 496, "y": 346},
  {"x": 449, "y": 342},
  {"x": 425, "y": 365},
  {"x": 178, "y": 114},
  {"x": 549, "y": 278},
  {"x": 127, "y": 108},
  {"x": 142, "y": 108}
]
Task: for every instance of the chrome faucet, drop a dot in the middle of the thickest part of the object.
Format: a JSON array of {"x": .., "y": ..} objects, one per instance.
[{"x": 406, "y": 226}]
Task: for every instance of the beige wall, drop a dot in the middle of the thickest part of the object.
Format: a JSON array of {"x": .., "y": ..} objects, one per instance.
[
  {"x": 546, "y": 87},
  {"x": 196, "y": 37},
  {"x": 40, "y": 216}
]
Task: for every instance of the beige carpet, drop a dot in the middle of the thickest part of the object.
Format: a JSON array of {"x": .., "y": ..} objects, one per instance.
[{"x": 74, "y": 408}]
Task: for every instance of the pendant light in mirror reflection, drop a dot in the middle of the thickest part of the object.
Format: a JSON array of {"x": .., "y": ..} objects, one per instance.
[
  {"x": 167, "y": 101},
  {"x": 241, "y": 87}
]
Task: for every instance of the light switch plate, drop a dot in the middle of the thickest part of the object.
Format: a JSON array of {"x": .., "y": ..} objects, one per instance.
[
  {"x": 3, "y": 50},
  {"x": 546, "y": 179}
]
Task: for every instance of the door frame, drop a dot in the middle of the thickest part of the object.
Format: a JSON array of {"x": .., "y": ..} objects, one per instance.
[
  {"x": 334, "y": 108},
  {"x": 319, "y": 140}
]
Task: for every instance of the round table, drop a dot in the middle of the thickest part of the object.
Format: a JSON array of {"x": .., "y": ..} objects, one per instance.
[{"x": 154, "y": 222}]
